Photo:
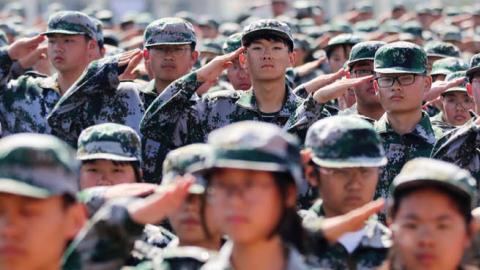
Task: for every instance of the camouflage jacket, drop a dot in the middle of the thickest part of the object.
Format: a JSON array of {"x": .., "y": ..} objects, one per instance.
[
  {"x": 439, "y": 121},
  {"x": 295, "y": 260},
  {"x": 401, "y": 148},
  {"x": 97, "y": 97},
  {"x": 25, "y": 102},
  {"x": 354, "y": 111},
  {"x": 191, "y": 258},
  {"x": 174, "y": 119},
  {"x": 370, "y": 253}
]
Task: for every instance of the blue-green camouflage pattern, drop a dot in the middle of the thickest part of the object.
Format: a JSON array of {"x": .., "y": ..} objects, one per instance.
[
  {"x": 72, "y": 23},
  {"x": 448, "y": 65},
  {"x": 441, "y": 49},
  {"x": 268, "y": 26},
  {"x": 169, "y": 31},
  {"x": 400, "y": 57}
]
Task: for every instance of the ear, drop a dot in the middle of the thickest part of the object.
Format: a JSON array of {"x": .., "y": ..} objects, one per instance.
[
  {"x": 375, "y": 86},
  {"x": 292, "y": 58},
  {"x": 146, "y": 54},
  {"x": 308, "y": 169},
  {"x": 102, "y": 52},
  {"x": 427, "y": 83},
  {"x": 75, "y": 219},
  {"x": 469, "y": 89},
  {"x": 194, "y": 57},
  {"x": 242, "y": 59},
  {"x": 291, "y": 196}
]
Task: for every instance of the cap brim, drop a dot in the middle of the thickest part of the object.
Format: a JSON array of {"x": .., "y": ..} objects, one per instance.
[
  {"x": 106, "y": 156},
  {"x": 63, "y": 32},
  {"x": 414, "y": 184},
  {"x": 399, "y": 70},
  {"x": 439, "y": 55},
  {"x": 269, "y": 31},
  {"x": 455, "y": 89},
  {"x": 168, "y": 43},
  {"x": 473, "y": 70},
  {"x": 12, "y": 186},
  {"x": 350, "y": 63},
  {"x": 441, "y": 72},
  {"x": 349, "y": 163}
]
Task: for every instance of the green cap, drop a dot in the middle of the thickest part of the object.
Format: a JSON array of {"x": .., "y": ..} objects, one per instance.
[
  {"x": 335, "y": 143},
  {"x": 367, "y": 26},
  {"x": 474, "y": 65},
  {"x": 441, "y": 49},
  {"x": 186, "y": 159},
  {"x": 169, "y": 31},
  {"x": 343, "y": 39},
  {"x": 422, "y": 172},
  {"x": 448, "y": 65},
  {"x": 229, "y": 28},
  {"x": 340, "y": 27},
  {"x": 268, "y": 27},
  {"x": 453, "y": 76},
  {"x": 109, "y": 141},
  {"x": 413, "y": 27},
  {"x": 253, "y": 145},
  {"x": 211, "y": 46},
  {"x": 232, "y": 43},
  {"x": 71, "y": 23},
  {"x": 364, "y": 51},
  {"x": 37, "y": 166},
  {"x": 451, "y": 33},
  {"x": 400, "y": 57}
]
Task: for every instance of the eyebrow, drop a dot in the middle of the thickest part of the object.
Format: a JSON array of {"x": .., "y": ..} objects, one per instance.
[{"x": 439, "y": 218}]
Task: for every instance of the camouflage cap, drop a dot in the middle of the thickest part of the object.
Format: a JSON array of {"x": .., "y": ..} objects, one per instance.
[
  {"x": 37, "y": 166},
  {"x": 367, "y": 26},
  {"x": 474, "y": 65},
  {"x": 413, "y": 27},
  {"x": 335, "y": 143},
  {"x": 270, "y": 27},
  {"x": 71, "y": 23},
  {"x": 441, "y": 49},
  {"x": 343, "y": 39},
  {"x": 169, "y": 31},
  {"x": 422, "y": 172},
  {"x": 339, "y": 27},
  {"x": 253, "y": 145},
  {"x": 186, "y": 159},
  {"x": 448, "y": 65},
  {"x": 453, "y": 76},
  {"x": 99, "y": 32},
  {"x": 109, "y": 141},
  {"x": 400, "y": 57},
  {"x": 212, "y": 46},
  {"x": 364, "y": 51},
  {"x": 451, "y": 33},
  {"x": 232, "y": 43}
]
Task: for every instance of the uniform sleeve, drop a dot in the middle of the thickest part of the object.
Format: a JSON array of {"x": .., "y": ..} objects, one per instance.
[
  {"x": 168, "y": 117},
  {"x": 5, "y": 67},
  {"x": 106, "y": 241}
]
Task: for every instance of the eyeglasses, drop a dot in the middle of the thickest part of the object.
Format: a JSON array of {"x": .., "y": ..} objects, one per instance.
[
  {"x": 251, "y": 191},
  {"x": 402, "y": 80},
  {"x": 363, "y": 72},
  {"x": 175, "y": 51}
]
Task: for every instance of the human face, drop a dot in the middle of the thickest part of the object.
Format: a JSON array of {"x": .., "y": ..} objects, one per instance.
[
  {"x": 170, "y": 62},
  {"x": 402, "y": 97},
  {"x": 238, "y": 76},
  {"x": 102, "y": 172},
  {"x": 456, "y": 106},
  {"x": 245, "y": 203},
  {"x": 429, "y": 232},
  {"x": 267, "y": 60},
  {"x": 279, "y": 8},
  {"x": 70, "y": 53},
  {"x": 365, "y": 93},
  {"x": 345, "y": 189},
  {"x": 438, "y": 77},
  {"x": 34, "y": 232},
  {"x": 338, "y": 57},
  {"x": 186, "y": 222}
]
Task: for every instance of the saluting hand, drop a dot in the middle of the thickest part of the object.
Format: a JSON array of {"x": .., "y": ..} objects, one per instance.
[
  {"x": 131, "y": 59},
  {"x": 338, "y": 88},
  {"x": 24, "y": 46},
  {"x": 214, "y": 68}
]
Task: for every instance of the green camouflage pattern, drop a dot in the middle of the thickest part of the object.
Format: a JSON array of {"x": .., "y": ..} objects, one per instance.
[
  {"x": 448, "y": 65},
  {"x": 169, "y": 31},
  {"x": 97, "y": 97},
  {"x": 422, "y": 172},
  {"x": 339, "y": 27},
  {"x": 400, "y": 57},
  {"x": 413, "y": 27},
  {"x": 451, "y": 33},
  {"x": 254, "y": 145},
  {"x": 109, "y": 141},
  {"x": 369, "y": 254},
  {"x": 474, "y": 65},
  {"x": 439, "y": 121},
  {"x": 401, "y": 148},
  {"x": 368, "y": 26},
  {"x": 453, "y": 76},
  {"x": 71, "y": 23},
  {"x": 364, "y": 51},
  {"x": 25, "y": 102},
  {"x": 343, "y": 39},
  {"x": 353, "y": 111},
  {"x": 270, "y": 26},
  {"x": 441, "y": 49},
  {"x": 232, "y": 43},
  {"x": 38, "y": 166},
  {"x": 192, "y": 258},
  {"x": 174, "y": 119},
  {"x": 335, "y": 143},
  {"x": 211, "y": 46}
]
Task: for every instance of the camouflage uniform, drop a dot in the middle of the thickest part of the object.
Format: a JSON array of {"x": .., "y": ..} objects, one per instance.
[
  {"x": 407, "y": 58},
  {"x": 174, "y": 119},
  {"x": 334, "y": 144},
  {"x": 113, "y": 240},
  {"x": 441, "y": 49},
  {"x": 425, "y": 172},
  {"x": 26, "y": 102}
]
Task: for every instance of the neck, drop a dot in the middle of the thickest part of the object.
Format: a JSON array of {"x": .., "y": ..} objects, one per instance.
[
  {"x": 404, "y": 122},
  {"x": 213, "y": 243},
  {"x": 66, "y": 79},
  {"x": 269, "y": 95},
  {"x": 161, "y": 85},
  {"x": 265, "y": 254},
  {"x": 373, "y": 111}
]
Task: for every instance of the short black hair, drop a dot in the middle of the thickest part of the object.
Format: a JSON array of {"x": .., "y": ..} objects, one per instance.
[
  {"x": 269, "y": 36},
  {"x": 345, "y": 47}
]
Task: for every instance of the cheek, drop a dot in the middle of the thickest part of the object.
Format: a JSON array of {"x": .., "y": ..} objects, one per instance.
[
  {"x": 88, "y": 179},
  {"x": 212, "y": 224}
]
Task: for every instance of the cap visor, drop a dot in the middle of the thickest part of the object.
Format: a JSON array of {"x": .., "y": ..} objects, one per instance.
[
  {"x": 107, "y": 157},
  {"x": 12, "y": 186},
  {"x": 413, "y": 184},
  {"x": 349, "y": 163},
  {"x": 399, "y": 70},
  {"x": 63, "y": 32},
  {"x": 168, "y": 43},
  {"x": 351, "y": 63},
  {"x": 455, "y": 89}
]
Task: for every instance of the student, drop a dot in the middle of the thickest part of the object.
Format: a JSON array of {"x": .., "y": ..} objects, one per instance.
[
  {"x": 430, "y": 216},
  {"x": 39, "y": 213},
  {"x": 345, "y": 170}
]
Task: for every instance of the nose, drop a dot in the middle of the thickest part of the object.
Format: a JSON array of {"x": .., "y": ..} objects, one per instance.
[
  {"x": 425, "y": 237},
  {"x": 9, "y": 225}
]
